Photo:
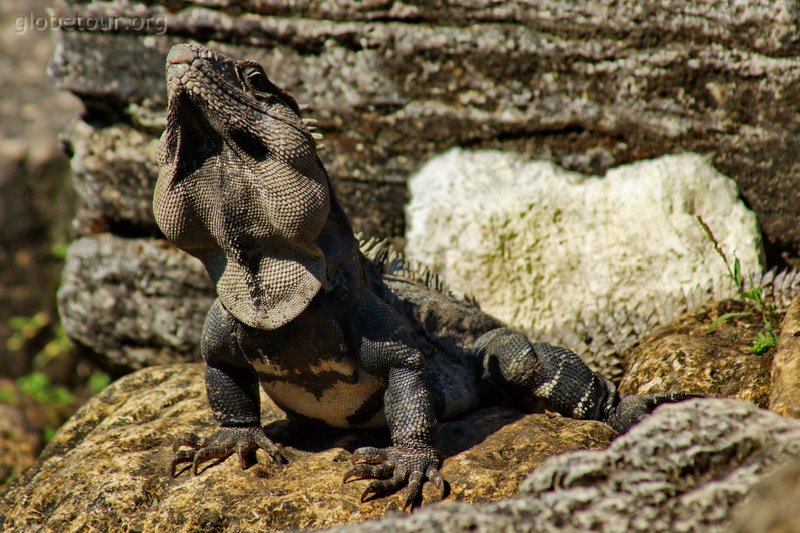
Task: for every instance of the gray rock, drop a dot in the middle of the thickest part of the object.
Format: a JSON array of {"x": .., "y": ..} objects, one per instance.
[
  {"x": 688, "y": 467},
  {"x": 588, "y": 88},
  {"x": 134, "y": 302},
  {"x": 107, "y": 468},
  {"x": 544, "y": 249},
  {"x": 773, "y": 504},
  {"x": 393, "y": 84},
  {"x": 114, "y": 169}
]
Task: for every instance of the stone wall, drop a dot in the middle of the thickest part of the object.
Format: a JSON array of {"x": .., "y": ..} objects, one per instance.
[{"x": 393, "y": 84}]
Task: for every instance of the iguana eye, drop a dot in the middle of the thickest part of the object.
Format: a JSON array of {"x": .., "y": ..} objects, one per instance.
[
  {"x": 255, "y": 79},
  {"x": 251, "y": 76}
]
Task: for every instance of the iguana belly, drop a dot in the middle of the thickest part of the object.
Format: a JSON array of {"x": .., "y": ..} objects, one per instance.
[{"x": 332, "y": 391}]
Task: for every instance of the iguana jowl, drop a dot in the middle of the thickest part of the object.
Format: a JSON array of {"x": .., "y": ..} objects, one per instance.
[{"x": 301, "y": 311}]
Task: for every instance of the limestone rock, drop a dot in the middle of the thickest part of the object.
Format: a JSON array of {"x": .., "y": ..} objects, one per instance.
[
  {"x": 114, "y": 170},
  {"x": 785, "y": 393},
  {"x": 773, "y": 504},
  {"x": 545, "y": 249},
  {"x": 703, "y": 457},
  {"x": 107, "y": 468},
  {"x": 134, "y": 302},
  {"x": 691, "y": 355},
  {"x": 393, "y": 84},
  {"x": 687, "y": 467}
]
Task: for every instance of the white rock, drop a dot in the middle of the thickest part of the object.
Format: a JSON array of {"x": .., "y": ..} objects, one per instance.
[{"x": 555, "y": 252}]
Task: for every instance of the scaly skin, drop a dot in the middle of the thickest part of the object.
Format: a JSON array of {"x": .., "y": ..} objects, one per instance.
[{"x": 303, "y": 313}]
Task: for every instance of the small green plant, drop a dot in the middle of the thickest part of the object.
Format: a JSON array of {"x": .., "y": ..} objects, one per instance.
[
  {"x": 56, "y": 347},
  {"x": 24, "y": 328},
  {"x": 55, "y": 402},
  {"x": 749, "y": 292},
  {"x": 98, "y": 381},
  {"x": 765, "y": 340},
  {"x": 59, "y": 250},
  {"x": 37, "y": 385}
]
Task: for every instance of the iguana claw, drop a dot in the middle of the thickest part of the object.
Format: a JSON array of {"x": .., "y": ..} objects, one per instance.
[
  {"x": 394, "y": 467},
  {"x": 224, "y": 443}
]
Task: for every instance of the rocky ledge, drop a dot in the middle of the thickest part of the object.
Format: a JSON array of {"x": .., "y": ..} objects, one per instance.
[{"x": 694, "y": 465}]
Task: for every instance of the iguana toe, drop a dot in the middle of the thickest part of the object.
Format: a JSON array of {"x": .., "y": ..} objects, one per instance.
[
  {"x": 224, "y": 443},
  {"x": 395, "y": 467},
  {"x": 631, "y": 409}
]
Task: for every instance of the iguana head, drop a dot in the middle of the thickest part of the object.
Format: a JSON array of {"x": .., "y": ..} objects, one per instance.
[{"x": 241, "y": 186}]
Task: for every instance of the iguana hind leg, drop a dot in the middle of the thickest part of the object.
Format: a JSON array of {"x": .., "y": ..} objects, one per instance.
[{"x": 524, "y": 371}]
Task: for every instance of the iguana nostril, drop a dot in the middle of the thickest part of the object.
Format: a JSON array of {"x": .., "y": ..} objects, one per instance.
[{"x": 180, "y": 54}]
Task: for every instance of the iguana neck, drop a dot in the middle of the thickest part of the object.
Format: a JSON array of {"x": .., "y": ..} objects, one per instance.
[{"x": 336, "y": 240}]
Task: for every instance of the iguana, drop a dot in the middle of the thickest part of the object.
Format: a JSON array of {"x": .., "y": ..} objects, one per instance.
[{"x": 303, "y": 312}]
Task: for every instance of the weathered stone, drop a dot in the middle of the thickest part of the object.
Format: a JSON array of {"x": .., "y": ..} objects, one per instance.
[
  {"x": 134, "y": 302},
  {"x": 691, "y": 355},
  {"x": 588, "y": 87},
  {"x": 545, "y": 249},
  {"x": 114, "y": 170},
  {"x": 107, "y": 468},
  {"x": 784, "y": 397},
  {"x": 687, "y": 467},
  {"x": 511, "y": 446},
  {"x": 701, "y": 456},
  {"x": 392, "y": 85},
  {"x": 773, "y": 504}
]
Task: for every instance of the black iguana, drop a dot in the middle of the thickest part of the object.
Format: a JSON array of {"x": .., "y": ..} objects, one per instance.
[{"x": 300, "y": 309}]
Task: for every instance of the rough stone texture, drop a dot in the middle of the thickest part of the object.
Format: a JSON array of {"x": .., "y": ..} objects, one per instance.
[
  {"x": 589, "y": 87},
  {"x": 785, "y": 393},
  {"x": 133, "y": 302},
  {"x": 392, "y": 84},
  {"x": 688, "y": 467},
  {"x": 773, "y": 505},
  {"x": 114, "y": 170},
  {"x": 547, "y": 250},
  {"x": 107, "y": 468},
  {"x": 685, "y": 355}
]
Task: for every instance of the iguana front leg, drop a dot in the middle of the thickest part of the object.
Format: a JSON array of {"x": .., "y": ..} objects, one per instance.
[
  {"x": 232, "y": 387},
  {"x": 386, "y": 350}
]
